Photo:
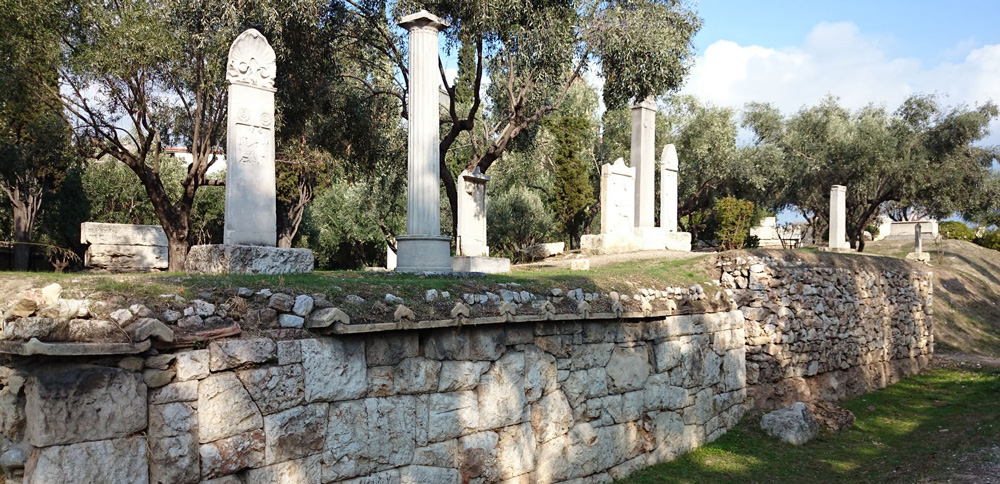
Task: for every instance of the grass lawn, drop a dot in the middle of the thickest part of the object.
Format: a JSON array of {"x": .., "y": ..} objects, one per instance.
[{"x": 923, "y": 429}]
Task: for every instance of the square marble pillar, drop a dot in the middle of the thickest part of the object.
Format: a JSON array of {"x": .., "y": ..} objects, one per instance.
[
  {"x": 838, "y": 218},
  {"x": 471, "y": 224},
  {"x": 643, "y": 159},
  {"x": 668, "y": 188},
  {"x": 250, "y": 186},
  {"x": 423, "y": 248}
]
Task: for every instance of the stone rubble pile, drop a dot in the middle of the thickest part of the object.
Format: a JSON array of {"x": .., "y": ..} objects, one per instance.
[{"x": 820, "y": 332}]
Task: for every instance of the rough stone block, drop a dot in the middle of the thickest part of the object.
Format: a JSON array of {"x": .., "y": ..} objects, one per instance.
[
  {"x": 381, "y": 350},
  {"x": 192, "y": 365},
  {"x": 425, "y": 474},
  {"x": 229, "y": 455},
  {"x": 334, "y": 369},
  {"x": 66, "y": 405},
  {"x": 301, "y": 471},
  {"x": 274, "y": 388},
  {"x": 451, "y": 415},
  {"x": 126, "y": 257},
  {"x": 248, "y": 259},
  {"x": 234, "y": 353},
  {"x": 501, "y": 393},
  {"x": 122, "y": 234},
  {"x": 225, "y": 408},
  {"x": 295, "y": 433},
  {"x": 461, "y": 375},
  {"x": 175, "y": 392},
  {"x": 368, "y": 435},
  {"x": 100, "y": 462}
]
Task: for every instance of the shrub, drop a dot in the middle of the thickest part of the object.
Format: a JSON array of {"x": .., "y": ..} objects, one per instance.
[
  {"x": 734, "y": 217},
  {"x": 990, "y": 239},
  {"x": 517, "y": 218},
  {"x": 955, "y": 230}
]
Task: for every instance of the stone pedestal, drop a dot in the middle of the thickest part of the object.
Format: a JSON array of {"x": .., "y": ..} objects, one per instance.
[
  {"x": 423, "y": 249},
  {"x": 487, "y": 265},
  {"x": 250, "y": 185},
  {"x": 838, "y": 218},
  {"x": 617, "y": 213},
  {"x": 679, "y": 241},
  {"x": 471, "y": 224},
  {"x": 423, "y": 253},
  {"x": 248, "y": 259}
]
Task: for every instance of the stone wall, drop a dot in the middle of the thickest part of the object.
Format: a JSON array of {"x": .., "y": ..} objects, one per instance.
[
  {"x": 829, "y": 327},
  {"x": 578, "y": 401}
]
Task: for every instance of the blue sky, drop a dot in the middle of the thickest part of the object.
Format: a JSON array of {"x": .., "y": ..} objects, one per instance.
[{"x": 792, "y": 53}]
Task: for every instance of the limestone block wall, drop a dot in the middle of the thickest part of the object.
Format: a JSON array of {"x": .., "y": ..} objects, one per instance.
[
  {"x": 829, "y": 328},
  {"x": 579, "y": 401}
]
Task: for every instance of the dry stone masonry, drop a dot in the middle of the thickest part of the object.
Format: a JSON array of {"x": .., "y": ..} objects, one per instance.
[
  {"x": 504, "y": 385},
  {"x": 829, "y": 330}
]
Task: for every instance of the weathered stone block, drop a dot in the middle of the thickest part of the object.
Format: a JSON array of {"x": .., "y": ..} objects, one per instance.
[
  {"x": 225, "y": 409},
  {"x": 192, "y": 365},
  {"x": 231, "y": 454},
  {"x": 417, "y": 375},
  {"x": 461, "y": 375},
  {"x": 451, "y": 415},
  {"x": 477, "y": 457},
  {"x": 66, "y": 405},
  {"x": 175, "y": 392},
  {"x": 174, "y": 459},
  {"x": 628, "y": 369},
  {"x": 126, "y": 257},
  {"x": 334, "y": 369},
  {"x": 381, "y": 350},
  {"x": 100, "y": 462},
  {"x": 368, "y": 435},
  {"x": 248, "y": 259},
  {"x": 515, "y": 451},
  {"x": 551, "y": 417},
  {"x": 501, "y": 393},
  {"x": 425, "y": 474},
  {"x": 295, "y": 433},
  {"x": 234, "y": 353},
  {"x": 274, "y": 388},
  {"x": 302, "y": 471}
]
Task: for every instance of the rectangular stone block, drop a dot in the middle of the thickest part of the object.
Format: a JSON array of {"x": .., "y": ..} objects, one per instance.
[
  {"x": 122, "y": 234},
  {"x": 126, "y": 256},
  {"x": 66, "y": 405},
  {"x": 248, "y": 259},
  {"x": 100, "y": 462}
]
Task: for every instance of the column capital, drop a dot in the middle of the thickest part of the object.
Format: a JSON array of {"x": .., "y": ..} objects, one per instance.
[{"x": 423, "y": 20}]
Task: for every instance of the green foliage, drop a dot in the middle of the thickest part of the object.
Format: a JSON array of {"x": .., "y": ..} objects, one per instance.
[
  {"x": 989, "y": 239},
  {"x": 572, "y": 193},
  {"x": 344, "y": 226},
  {"x": 955, "y": 230},
  {"x": 734, "y": 218},
  {"x": 517, "y": 219},
  {"x": 922, "y": 155}
]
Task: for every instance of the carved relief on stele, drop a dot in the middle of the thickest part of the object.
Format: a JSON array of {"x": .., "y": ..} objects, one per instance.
[{"x": 251, "y": 61}]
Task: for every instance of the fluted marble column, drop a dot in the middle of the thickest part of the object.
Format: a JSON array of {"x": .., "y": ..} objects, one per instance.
[
  {"x": 668, "y": 188},
  {"x": 838, "y": 218},
  {"x": 423, "y": 249},
  {"x": 643, "y": 159}
]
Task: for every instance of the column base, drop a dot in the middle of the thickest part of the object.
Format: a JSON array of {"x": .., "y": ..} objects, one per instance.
[
  {"x": 423, "y": 253},
  {"x": 679, "y": 241}
]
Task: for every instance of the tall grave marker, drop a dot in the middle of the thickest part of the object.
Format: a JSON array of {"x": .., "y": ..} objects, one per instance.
[
  {"x": 838, "y": 218},
  {"x": 250, "y": 228},
  {"x": 669, "y": 166}
]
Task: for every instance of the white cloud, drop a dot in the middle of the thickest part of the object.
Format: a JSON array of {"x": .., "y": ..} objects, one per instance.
[{"x": 837, "y": 58}]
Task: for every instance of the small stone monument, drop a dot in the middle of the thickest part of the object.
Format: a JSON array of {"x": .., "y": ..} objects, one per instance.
[
  {"x": 918, "y": 246},
  {"x": 123, "y": 247},
  {"x": 250, "y": 226},
  {"x": 617, "y": 212},
  {"x": 838, "y": 219},
  {"x": 470, "y": 237},
  {"x": 423, "y": 248},
  {"x": 669, "y": 166},
  {"x": 643, "y": 159}
]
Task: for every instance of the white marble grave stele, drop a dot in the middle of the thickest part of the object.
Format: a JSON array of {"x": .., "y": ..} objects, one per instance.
[
  {"x": 250, "y": 184},
  {"x": 838, "y": 218}
]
